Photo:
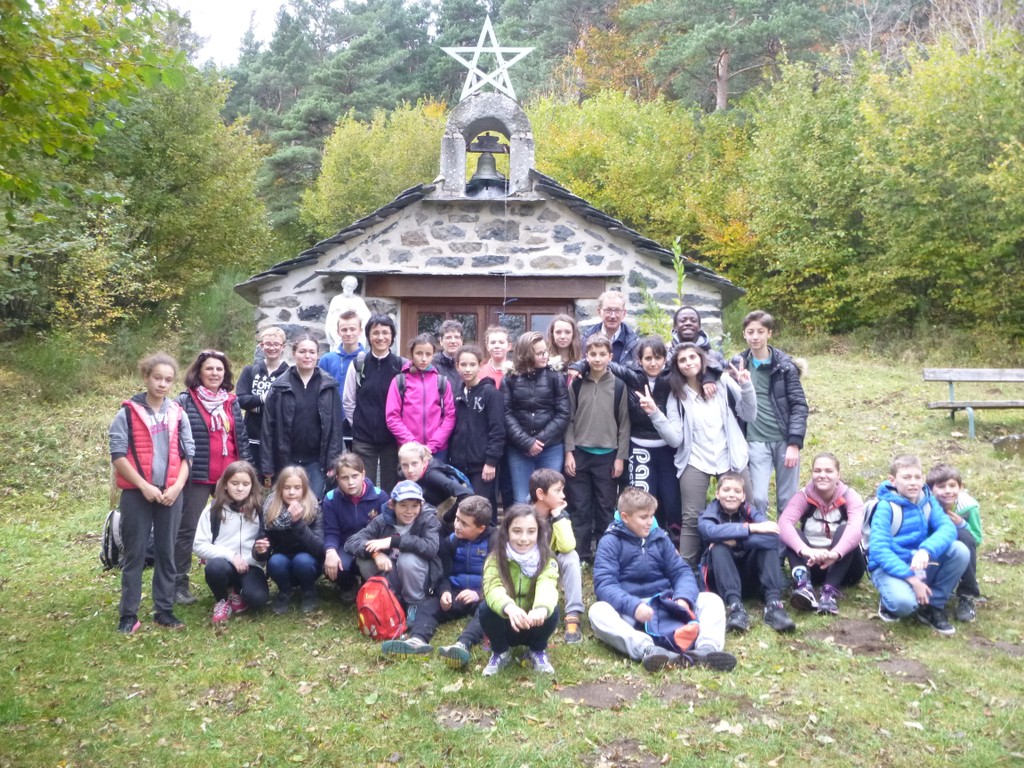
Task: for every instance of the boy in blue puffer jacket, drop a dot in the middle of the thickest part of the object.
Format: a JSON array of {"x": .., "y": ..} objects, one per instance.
[
  {"x": 914, "y": 558},
  {"x": 635, "y": 564}
]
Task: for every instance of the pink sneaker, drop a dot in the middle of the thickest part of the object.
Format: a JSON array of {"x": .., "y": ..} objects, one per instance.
[
  {"x": 237, "y": 603},
  {"x": 221, "y": 611}
]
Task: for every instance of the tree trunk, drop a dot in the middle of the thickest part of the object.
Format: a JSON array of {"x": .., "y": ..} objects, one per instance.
[{"x": 722, "y": 80}]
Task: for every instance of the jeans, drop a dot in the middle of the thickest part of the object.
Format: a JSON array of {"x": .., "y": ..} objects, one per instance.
[
  {"x": 221, "y": 577},
  {"x": 521, "y": 466},
  {"x": 386, "y": 456},
  {"x": 898, "y": 596},
  {"x": 288, "y": 570},
  {"x": 502, "y": 636},
  {"x": 317, "y": 477},
  {"x": 764, "y": 457}
]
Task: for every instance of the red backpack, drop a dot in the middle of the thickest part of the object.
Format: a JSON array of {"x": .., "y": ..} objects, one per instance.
[{"x": 381, "y": 616}]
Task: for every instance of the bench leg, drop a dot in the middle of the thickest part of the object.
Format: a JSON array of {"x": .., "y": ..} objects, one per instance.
[{"x": 970, "y": 422}]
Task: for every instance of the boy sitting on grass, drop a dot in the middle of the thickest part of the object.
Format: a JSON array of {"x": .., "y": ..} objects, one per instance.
[
  {"x": 459, "y": 591},
  {"x": 741, "y": 555},
  {"x": 401, "y": 544},
  {"x": 547, "y": 495},
  {"x": 634, "y": 565},
  {"x": 962, "y": 509},
  {"x": 916, "y": 562}
]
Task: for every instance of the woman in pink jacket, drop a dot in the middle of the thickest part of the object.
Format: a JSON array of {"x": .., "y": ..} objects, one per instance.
[
  {"x": 420, "y": 404},
  {"x": 820, "y": 529}
]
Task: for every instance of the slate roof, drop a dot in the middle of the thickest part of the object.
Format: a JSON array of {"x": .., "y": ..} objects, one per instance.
[{"x": 542, "y": 183}]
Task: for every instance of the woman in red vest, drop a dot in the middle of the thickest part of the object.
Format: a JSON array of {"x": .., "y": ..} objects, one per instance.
[
  {"x": 150, "y": 448},
  {"x": 219, "y": 432}
]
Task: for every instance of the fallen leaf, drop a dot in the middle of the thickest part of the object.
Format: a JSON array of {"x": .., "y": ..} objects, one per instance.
[{"x": 914, "y": 725}]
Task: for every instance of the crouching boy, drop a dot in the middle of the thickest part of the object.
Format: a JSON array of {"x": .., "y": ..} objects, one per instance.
[
  {"x": 460, "y": 590},
  {"x": 914, "y": 558},
  {"x": 401, "y": 544},
  {"x": 962, "y": 510},
  {"x": 634, "y": 567},
  {"x": 741, "y": 556}
]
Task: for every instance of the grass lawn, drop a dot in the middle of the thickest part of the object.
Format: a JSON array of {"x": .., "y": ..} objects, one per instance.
[{"x": 309, "y": 690}]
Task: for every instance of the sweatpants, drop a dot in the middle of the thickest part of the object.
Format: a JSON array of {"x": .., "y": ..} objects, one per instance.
[
  {"x": 626, "y": 636},
  {"x": 138, "y": 518}
]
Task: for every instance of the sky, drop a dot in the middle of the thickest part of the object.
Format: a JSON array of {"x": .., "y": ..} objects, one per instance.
[{"x": 223, "y": 22}]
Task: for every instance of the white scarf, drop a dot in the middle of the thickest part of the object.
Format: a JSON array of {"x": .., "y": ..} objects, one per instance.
[{"x": 529, "y": 562}]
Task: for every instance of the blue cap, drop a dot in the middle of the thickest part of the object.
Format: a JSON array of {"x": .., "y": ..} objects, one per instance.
[{"x": 407, "y": 490}]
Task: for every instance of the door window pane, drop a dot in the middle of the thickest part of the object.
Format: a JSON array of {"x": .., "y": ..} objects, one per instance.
[
  {"x": 540, "y": 323},
  {"x": 470, "y": 329},
  {"x": 516, "y": 324},
  {"x": 430, "y": 322}
]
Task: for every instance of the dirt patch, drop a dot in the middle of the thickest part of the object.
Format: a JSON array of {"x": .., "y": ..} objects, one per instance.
[
  {"x": 620, "y": 754},
  {"x": 861, "y": 637},
  {"x": 470, "y": 717},
  {"x": 1005, "y": 556},
  {"x": 1014, "y": 650},
  {"x": 607, "y": 695},
  {"x": 684, "y": 693},
  {"x": 906, "y": 670}
]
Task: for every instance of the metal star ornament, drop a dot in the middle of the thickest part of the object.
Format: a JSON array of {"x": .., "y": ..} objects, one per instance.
[{"x": 476, "y": 78}]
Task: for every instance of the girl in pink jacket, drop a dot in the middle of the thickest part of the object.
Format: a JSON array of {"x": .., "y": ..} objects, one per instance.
[{"x": 420, "y": 404}]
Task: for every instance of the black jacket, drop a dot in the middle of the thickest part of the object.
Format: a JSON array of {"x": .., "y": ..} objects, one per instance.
[
  {"x": 789, "y": 404},
  {"x": 479, "y": 434},
  {"x": 199, "y": 470},
  {"x": 278, "y": 413},
  {"x": 374, "y": 377},
  {"x": 536, "y": 408}
]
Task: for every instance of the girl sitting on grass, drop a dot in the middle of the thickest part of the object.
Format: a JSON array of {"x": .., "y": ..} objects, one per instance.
[
  {"x": 225, "y": 539},
  {"x": 348, "y": 509},
  {"x": 520, "y": 590},
  {"x": 294, "y": 538},
  {"x": 150, "y": 448}
]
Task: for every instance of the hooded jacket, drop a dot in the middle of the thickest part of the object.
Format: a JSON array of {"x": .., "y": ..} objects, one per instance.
[
  {"x": 278, "y": 413},
  {"x": 628, "y": 570},
  {"x": 925, "y": 526},
  {"x": 345, "y": 516},
  {"x": 479, "y": 434},
  {"x": 786, "y": 394},
  {"x": 419, "y": 415},
  {"x": 809, "y": 513}
]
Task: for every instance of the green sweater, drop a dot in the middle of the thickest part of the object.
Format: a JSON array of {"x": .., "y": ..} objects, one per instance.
[{"x": 498, "y": 598}]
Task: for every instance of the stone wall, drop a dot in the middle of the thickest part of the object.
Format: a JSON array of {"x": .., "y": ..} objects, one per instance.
[{"x": 522, "y": 238}]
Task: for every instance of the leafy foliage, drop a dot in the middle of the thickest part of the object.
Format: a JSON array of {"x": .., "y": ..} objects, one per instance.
[{"x": 61, "y": 64}]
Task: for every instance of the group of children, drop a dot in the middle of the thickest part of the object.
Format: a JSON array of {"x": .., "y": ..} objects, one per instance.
[{"x": 670, "y": 571}]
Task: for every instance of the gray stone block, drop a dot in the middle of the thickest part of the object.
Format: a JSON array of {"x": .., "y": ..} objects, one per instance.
[
  {"x": 552, "y": 262},
  {"x": 489, "y": 260},
  {"x": 466, "y": 247},
  {"x": 313, "y": 312},
  {"x": 414, "y": 238},
  {"x": 447, "y": 232},
  {"x": 449, "y": 262},
  {"x": 400, "y": 255},
  {"x": 503, "y": 231},
  {"x": 563, "y": 233}
]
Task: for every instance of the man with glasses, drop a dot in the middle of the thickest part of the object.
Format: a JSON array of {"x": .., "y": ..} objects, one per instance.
[{"x": 611, "y": 306}]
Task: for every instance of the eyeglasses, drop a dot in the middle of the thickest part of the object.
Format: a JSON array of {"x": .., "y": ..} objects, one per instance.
[{"x": 613, "y": 312}]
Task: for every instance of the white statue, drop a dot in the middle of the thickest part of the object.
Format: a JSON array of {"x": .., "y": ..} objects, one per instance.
[{"x": 344, "y": 301}]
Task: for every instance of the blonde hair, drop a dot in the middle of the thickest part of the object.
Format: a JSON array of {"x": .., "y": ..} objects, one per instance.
[
  {"x": 416, "y": 449},
  {"x": 274, "y": 331},
  {"x": 276, "y": 503}
]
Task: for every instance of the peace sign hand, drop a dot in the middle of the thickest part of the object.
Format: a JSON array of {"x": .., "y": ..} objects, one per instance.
[{"x": 647, "y": 404}]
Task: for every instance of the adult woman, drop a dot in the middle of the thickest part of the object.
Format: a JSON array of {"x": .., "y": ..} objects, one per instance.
[
  {"x": 219, "y": 433},
  {"x": 536, "y": 414},
  {"x": 564, "y": 341},
  {"x": 302, "y": 418},
  {"x": 705, "y": 432},
  {"x": 820, "y": 528}
]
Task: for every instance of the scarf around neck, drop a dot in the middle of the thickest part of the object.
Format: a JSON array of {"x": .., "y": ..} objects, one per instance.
[
  {"x": 213, "y": 402},
  {"x": 529, "y": 562}
]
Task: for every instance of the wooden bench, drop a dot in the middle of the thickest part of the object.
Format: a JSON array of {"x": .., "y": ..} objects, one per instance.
[{"x": 954, "y": 375}]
